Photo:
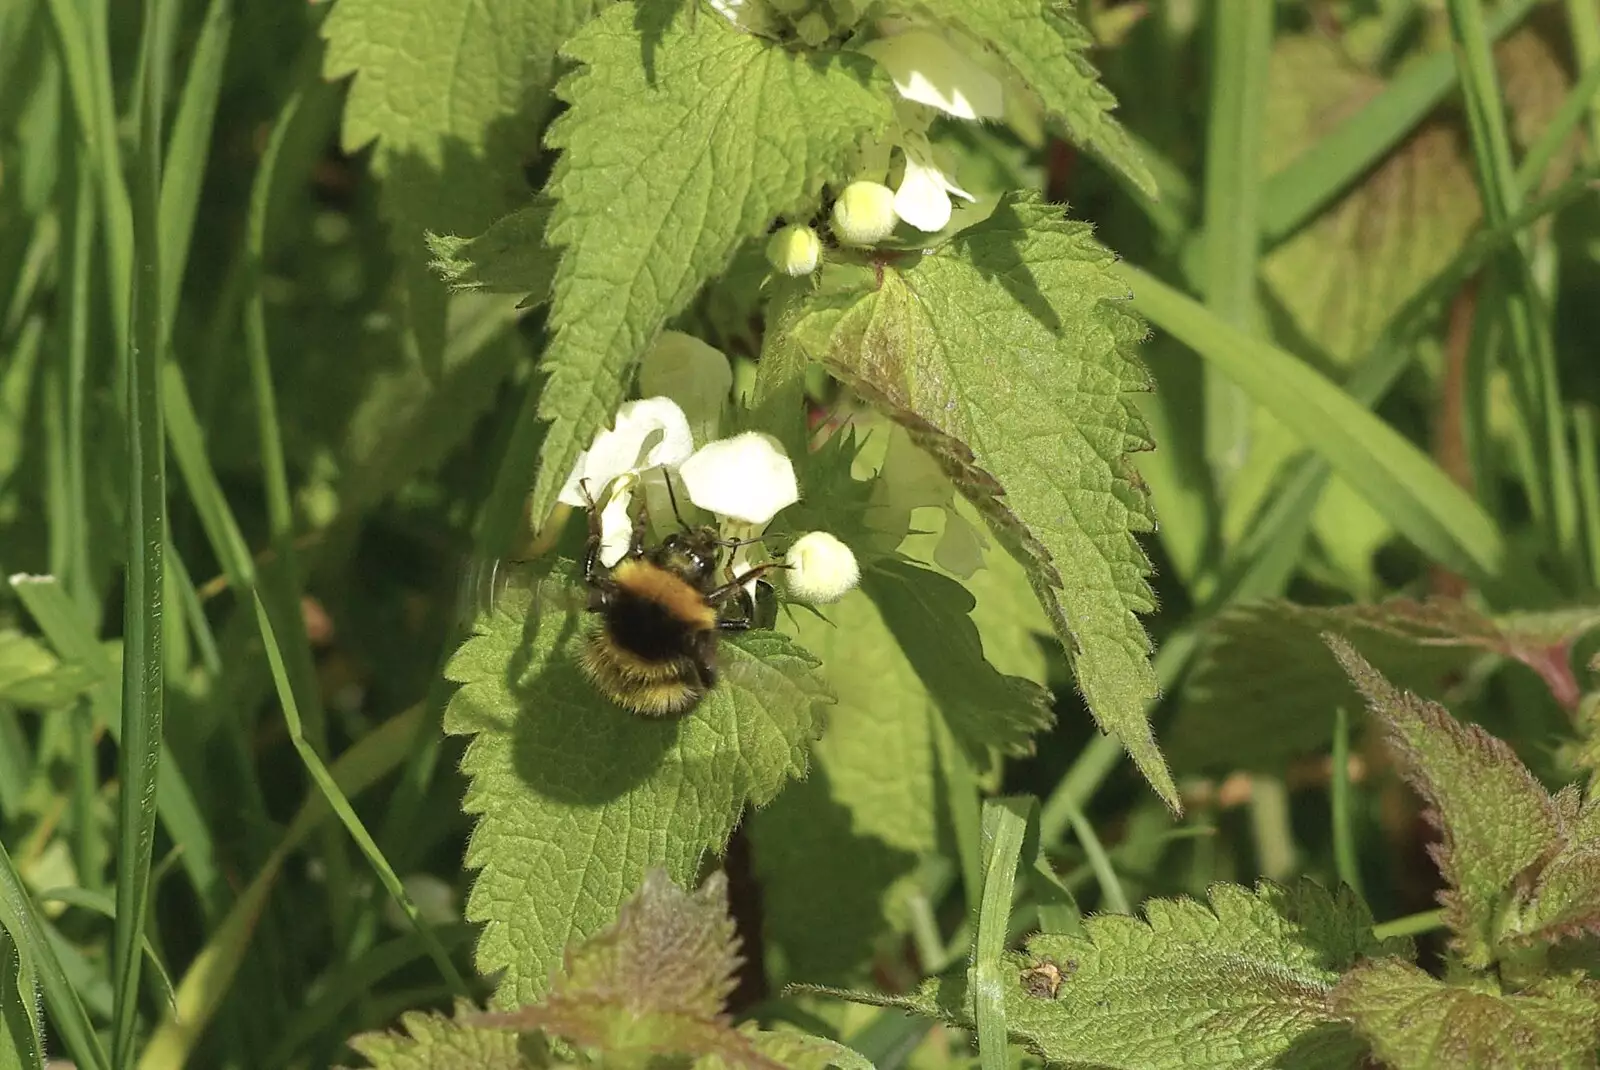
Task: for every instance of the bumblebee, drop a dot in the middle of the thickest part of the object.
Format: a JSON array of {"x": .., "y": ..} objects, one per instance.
[{"x": 662, "y": 612}]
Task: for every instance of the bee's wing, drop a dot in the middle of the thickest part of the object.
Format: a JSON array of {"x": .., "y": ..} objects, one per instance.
[{"x": 491, "y": 585}]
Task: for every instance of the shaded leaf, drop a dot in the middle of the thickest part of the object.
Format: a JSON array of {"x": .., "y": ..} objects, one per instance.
[
  {"x": 32, "y": 677},
  {"x": 1413, "y": 1020},
  {"x": 429, "y": 1041},
  {"x": 576, "y": 799},
  {"x": 684, "y": 138},
  {"x": 511, "y": 257}
]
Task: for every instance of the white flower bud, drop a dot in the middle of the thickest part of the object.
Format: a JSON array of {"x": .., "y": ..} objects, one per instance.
[
  {"x": 794, "y": 250},
  {"x": 747, "y": 477},
  {"x": 864, "y": 213},
  {"x": 821, "y": 568}
]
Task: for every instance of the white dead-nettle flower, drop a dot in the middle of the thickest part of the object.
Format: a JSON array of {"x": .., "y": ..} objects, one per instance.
[
  {"x": 746, "y": 478},
  {"x": 695, "y": 375},
  {"x": 647, "y": 436},
  {"x": 923, "y": 199},
  {"x": 821, "y": 568},
  {"x": 931, "y": 68}
]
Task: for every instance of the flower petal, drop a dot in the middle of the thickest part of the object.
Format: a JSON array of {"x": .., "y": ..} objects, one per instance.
[
  {"x": 928, "y": 69},
  {"x": 922, "y": 199},
  {"x": 648, "y": 432},
  {"x": 747, "y": 477},
  {"x": 616, "y": 525},
  {"x": 572, "y": 490}
]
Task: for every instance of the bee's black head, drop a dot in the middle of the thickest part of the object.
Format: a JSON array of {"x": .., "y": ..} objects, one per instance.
[{"x": 691, "y": 554}]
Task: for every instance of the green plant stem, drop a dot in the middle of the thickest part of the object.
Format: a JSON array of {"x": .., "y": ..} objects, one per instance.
[
  {"x": 1270, "y": 828},
  {"x": 1005, "y": 823},
  {"x": 1344, "y": 841},
  {"x": 1588, "y": 453},
  {"x": 1583, "y": 22},
  {"x": 1116, "y": 900}
]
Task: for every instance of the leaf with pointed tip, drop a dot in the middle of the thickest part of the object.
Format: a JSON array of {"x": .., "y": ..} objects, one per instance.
[
  {"x": 511, "y": 257},
  {"x": 576, "y": 799},
  {"x": 1496, "y": 821},
  {"x": 1009, "y": 354},
  {"x": 1048, "y": 49},
  {"x": 1416, "y": 1021},
  {"x": 429, "y": 1041},
  {"x": 685, "y": 137}
]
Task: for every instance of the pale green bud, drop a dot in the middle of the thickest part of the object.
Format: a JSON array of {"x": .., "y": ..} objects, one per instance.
[
  {"x": 864, "y": 213},
  {"x": 794, "y": 250}
]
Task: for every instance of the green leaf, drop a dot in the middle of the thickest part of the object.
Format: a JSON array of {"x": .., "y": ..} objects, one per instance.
[
  {"x": 1246, "y": 982},
  {"x": 928, "y": 616},
  {"x": 576, "y": 798},
  {"x": 32, "y": 677},
  {"x": 1048, "y": 49},
  {"x": 455, "y": 95},
  {"x": 436, "y": 1042},
  {"x": 511, "y": 257},
  {"x": 684, "y": 138},
  {"x": 1416, "y": 1021},
  {"x": 1009, "y": 353},
  {"x": 1496, "y": 820},
  {"x": 20, "y": 1047}
]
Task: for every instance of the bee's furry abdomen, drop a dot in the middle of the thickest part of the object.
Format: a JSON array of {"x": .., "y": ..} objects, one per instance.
[{"x": 654, "y": 649}]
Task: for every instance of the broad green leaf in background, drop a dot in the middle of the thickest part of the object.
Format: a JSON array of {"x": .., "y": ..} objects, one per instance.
[
  {"x": 1246, "y": 981},
  {"x": 510, "y": 257},
  {"x": 1007, "y": 354},
  {"x": 830, "y": 849},
  {"x": 32, "y": 677},
  {"x": 1414, "y": 1021},
  {"x": 576, "y": 799},
  {"x": 1048, "y": 50},
  {"x": 1495, "y": 819},
  {"x": 455, "y": 95},
  {"x": 431, "y": 1041},
  {"x": 1264, "y": 689},
  {"x": 685, "y": 137}
]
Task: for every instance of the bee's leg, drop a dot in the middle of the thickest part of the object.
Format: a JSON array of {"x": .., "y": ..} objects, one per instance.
[{"x": 734, "y": 586}]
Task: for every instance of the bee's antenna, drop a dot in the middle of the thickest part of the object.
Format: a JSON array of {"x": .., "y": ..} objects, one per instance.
[{"x": 672, "y": 496}]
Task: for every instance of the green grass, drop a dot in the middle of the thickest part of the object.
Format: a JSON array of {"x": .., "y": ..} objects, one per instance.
[{"x": 193, "y": 273}]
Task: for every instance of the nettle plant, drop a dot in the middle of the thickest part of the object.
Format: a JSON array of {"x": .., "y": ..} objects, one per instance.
[{"x": 923, "y": 374}]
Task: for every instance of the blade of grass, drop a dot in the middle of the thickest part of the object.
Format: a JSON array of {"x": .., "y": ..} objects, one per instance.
[
  {"x": 1005, "y": 824},
  {"x": 347, "y": 815},
  {"x": 187, "y": 151},
  {"x": 80, "y": 251},
  {"x": 210, "y": 975},
  {"x": 20, "y": 1046},
  {"x": 1573, "y": 110},
  {"x": 1344, "y": 839},
  {"x": 1534, "y": 370},
  {"x": 1399, "y": 480},
  {"x": 1241, "y": 49},
  {"x": 1410, "y": 925},
  {"x": 1583, "y": 21},
  {"x": 73, "y": 640},
  {"x": 1111, "y": 893},
  {"x": 963, "y": 809},
  {"x": 1294, "y": 195},
  {"x": 1588, "y": 453},
  {"x": 143, "y": 672},
  {"x": 100, "y": 903},
  {"x": 20, "y": 917}
]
